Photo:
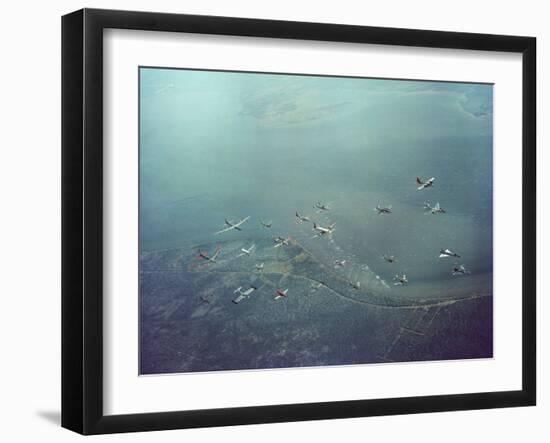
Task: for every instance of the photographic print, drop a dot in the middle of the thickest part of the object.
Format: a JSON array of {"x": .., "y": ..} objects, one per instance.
[{"x": 294, "y": 221}]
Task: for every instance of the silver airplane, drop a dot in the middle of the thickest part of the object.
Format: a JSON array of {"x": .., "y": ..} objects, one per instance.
[
  {"x": 205, "y": 256},
  {"x": 245, "y": 251},
  {"x": 233, "y": 225},
  {"x": 243, "y": 294},
  {"x": 266, "y": 224},
  {"x": 400, "y": 281},
  {"x": 460, "y": 270},
  {"x": 389, "y": 258},
  {"x": 434, "y": 209},
  {"x": 321, "y": 207},
  {"x": 383, "y": 209},
  {"x": 424, "y": 184},
  {"x": 444, "y": 253},
  {"x": 259, "y": 267},
  {"x": 355, "y": 285},
  {"x": 301, "y": 218},
  {"x": 280, "y": 241},
  {"x": 321, "y": 230},
  {"x": 339, "y": 263},
  {"x": 280, "y": 293}
]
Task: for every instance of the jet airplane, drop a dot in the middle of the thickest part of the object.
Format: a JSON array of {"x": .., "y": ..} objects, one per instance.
[
  {"x": 245, "y": 251},
  {"x": 243, "y": 294},
  {"x": 301, "y": 218},
  {"x": 444, "y": 253},
  {"x": 321, "y": 230},
  {"x": 232, "y": 225},
  {"x": 424, "y": 184},
  {"x": 321, "y": 207},
  {"x": 383, "y": 209},
  {"x": 280, "y": 293},
  {"x": 400, "y": 281},
  {"x": 460, "y": 270},
  {"x": 280, "y": 241},
  {"x": 205, "y": 256},
  {"x": 266, "y": 224},
  {"x": 435, "y": 209},
  {"x": 389, "y": 258}
]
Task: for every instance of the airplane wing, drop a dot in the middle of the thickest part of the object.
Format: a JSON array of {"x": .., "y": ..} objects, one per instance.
[
  {"x": 239, "y": 299},
  {"x": 218, "y": 250},
  {"x": 224, "y": 230},
  {"x": 236, "y": 225}
]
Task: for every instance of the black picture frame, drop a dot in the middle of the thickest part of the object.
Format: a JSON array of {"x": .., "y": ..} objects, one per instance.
[{"x": 82, "y": 220}]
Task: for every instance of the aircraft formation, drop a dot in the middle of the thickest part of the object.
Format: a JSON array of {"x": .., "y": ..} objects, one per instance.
[{"x": 325, "y": 231}]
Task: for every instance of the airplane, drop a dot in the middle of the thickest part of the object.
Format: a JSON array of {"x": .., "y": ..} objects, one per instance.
[
  {"x": 322, "y": 230},
  {"x": 246, "y": 251},
  {"x": 266, "y": 224},
  {"x": 424, "y": 184},
  {"x": 232, "y": 225},
  {"x": 259, "y": 267},
  {"x": 435, "y": 209},
  {"x": 356, "y": 285},
  {"x": 389, "y": 258},
  {"x": 243, "y": 294},
  {"x": 321, "y": 207},
  {"x": 383, "y": 210},
  {"x": 448, "y": 253},
  {"x": 205, "y": 256},
  {"x": 339, "y": 263},
  {"x": 280, "y": 241},
  {"x": 281, "y": 293},
  {"x": 460, "y": 270},
  {"x": 400, "y": 280},
  {"x": 301, "y": 218}
]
